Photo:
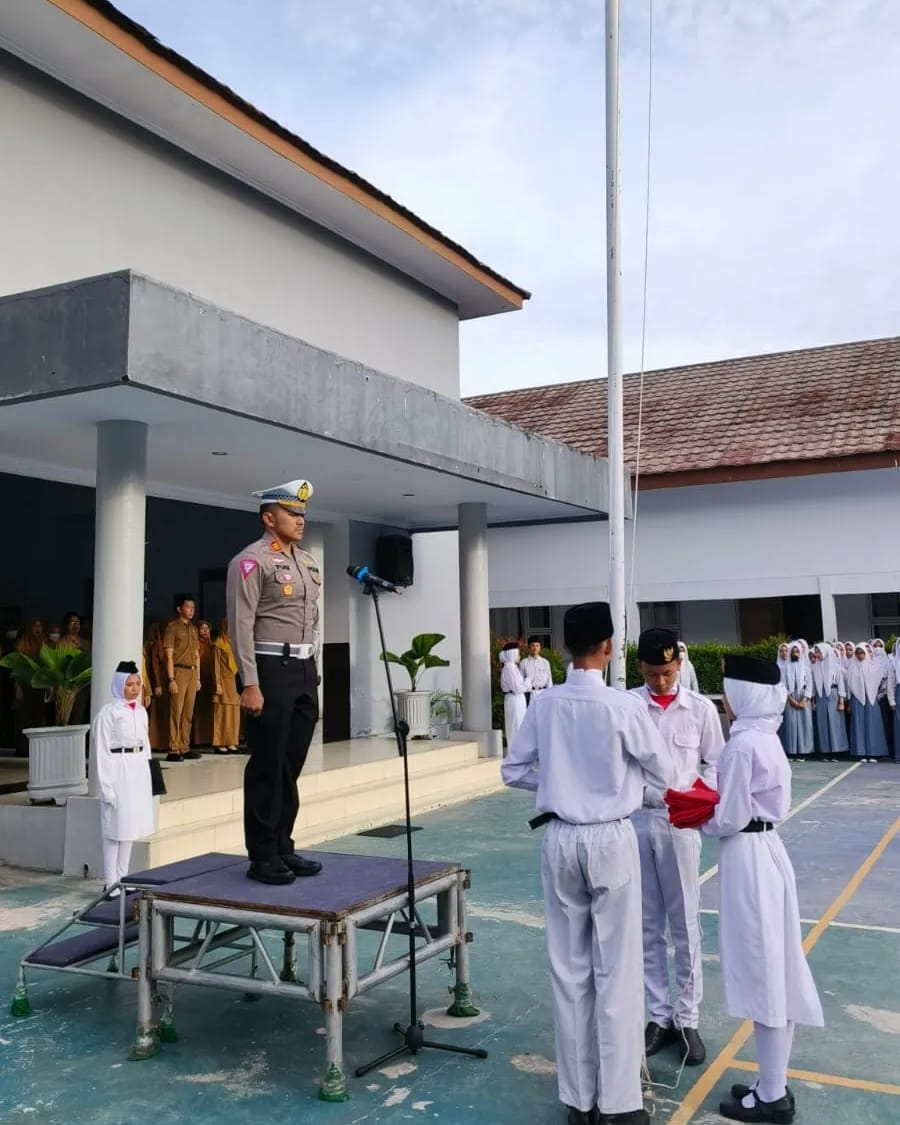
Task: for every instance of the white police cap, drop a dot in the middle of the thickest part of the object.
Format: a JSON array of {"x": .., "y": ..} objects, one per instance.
[{"x": 292, "y": 495}]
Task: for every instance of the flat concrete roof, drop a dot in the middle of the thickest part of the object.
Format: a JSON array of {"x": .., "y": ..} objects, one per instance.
[{"x": 209, "y": 382}]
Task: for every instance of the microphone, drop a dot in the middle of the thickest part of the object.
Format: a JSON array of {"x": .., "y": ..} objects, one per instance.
[{"x": 364, "y": 577}]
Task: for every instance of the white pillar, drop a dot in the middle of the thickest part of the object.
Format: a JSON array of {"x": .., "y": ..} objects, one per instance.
[
  {"x": 474, "y": 617},
  {"x": 119, "y": 542},
  {"x": 829, "y": 611}
]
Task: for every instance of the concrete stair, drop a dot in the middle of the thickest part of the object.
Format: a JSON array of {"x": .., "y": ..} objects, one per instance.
[{"x": 334, "y": 802}]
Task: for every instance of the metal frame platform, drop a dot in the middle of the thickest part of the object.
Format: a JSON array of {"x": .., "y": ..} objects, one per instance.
[{"x": 230, "y": 915}]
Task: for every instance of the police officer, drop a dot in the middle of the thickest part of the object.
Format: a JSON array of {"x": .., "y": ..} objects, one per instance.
[
  {"x": 272, "y": 595},
  {"x": 670, "y": 857}
]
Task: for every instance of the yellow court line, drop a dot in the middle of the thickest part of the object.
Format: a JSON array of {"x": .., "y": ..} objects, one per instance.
[
  {"x": 828, "y": 1079},
  {"x": 696, "y": 1096}
]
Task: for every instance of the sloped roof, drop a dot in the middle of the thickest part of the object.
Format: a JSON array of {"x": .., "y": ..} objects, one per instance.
[{"x": 826, "y": 403}]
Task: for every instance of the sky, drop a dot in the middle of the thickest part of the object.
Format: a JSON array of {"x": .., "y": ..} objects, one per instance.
[{"x": 770, "y": 196}]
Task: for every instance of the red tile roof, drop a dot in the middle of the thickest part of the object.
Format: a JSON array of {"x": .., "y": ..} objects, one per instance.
[{"x": 832, "y": 402}]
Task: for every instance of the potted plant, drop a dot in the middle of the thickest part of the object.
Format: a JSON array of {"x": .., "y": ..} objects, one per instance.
[
  {"x": 414, "y": 706},
  {"x": 56, "y": 755},
  {"x": 446, "y": 708}
]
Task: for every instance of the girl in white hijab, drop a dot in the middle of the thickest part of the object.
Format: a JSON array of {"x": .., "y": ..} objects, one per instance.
[
  {"x": 867, "y": 738},
  {"x": 514, "y": 687},
  {"x": 893, "y": 694},
  {"x": 765, "y": 974},
  {"x": 121, "y": 747},
  {"x": 687, "y": 673},
  {"x": 829, "y": 696},
  {"x": 796, "y": 730}
]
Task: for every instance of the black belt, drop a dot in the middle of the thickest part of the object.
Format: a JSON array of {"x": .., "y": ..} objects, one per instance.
[
  {"x": 125, "y": 749},
  {"x": 189, "y": 667},
  {"x": 541, "y": 819},
  {"x": 758, "y": 826}
]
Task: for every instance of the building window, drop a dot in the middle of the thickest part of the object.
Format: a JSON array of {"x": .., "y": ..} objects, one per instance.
[
  {"x": 885, "y": 613},
  {"x": 661, "y": 615},
  {"x": 537, "y": 624}
]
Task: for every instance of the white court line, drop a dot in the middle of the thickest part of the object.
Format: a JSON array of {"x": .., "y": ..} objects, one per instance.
[
  {"x": 837, "y": 925},
  {"x": 713, "y": 871}
]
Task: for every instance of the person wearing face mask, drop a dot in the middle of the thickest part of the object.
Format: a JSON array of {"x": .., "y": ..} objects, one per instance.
[
  {"x": 121, "y": 746},
  {"x": 687, "y": 675},
  {"x": 765, "y": 973},
  {"x": 885, "y": 695},
  {"x": 670, "y": 857}
]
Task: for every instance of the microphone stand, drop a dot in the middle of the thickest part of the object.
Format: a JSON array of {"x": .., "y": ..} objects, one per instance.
[{"x": 414, "y": 1034}]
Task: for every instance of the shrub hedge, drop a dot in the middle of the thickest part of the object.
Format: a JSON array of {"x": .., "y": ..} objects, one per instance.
[{"x": 706, "y": 658}]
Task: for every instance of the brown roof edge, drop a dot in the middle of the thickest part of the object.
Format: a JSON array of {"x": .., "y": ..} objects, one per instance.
[
  {"x": 140, "y": 44},
  {"x": 769, "y": 471}
]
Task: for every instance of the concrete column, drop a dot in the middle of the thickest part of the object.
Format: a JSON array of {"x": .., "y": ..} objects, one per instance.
[
  {"x": 829, "y": 611},
  {"x": 474, "y": 619},
  {"x": 119, "y": 542}
]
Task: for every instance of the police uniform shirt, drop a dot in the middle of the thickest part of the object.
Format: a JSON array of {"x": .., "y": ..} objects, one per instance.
[
  {"x": 691, "y": 729},
  {"x": 184, "y": 639},
  {"x": 588, "y": 750},
  {"x": 272, "y": 596}
]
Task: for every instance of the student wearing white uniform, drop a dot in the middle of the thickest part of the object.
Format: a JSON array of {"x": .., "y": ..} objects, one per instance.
[
  {"x": 670, "y": 857},
  {"x": 536, "y": 668},
  {"x": 687, "y": 673},
  {"x": 588, "y": 751},
  {"x": 121, "y": 742},
  {"x": 764, "y": 971},
  {"x": 514, "y": 687}
]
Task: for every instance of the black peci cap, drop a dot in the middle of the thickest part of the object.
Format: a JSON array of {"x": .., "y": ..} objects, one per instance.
[
  {"x": 658, "y": 647},
  {"x": 587, "y": 625},
  {"x": 750, "y": 669},
  {"x": 127, "y": 668}
]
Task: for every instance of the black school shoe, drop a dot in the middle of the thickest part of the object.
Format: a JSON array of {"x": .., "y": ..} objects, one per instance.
[
  {"x": 270, "y": 871},
  {"x": 776, "y": 1113},
  {"x": 656, "y": 1037},
  {"x": 691, "y": 1046},
  {"x": 632, "y": 1117},
  {"x": 300, "y": 866},
  {"x": 740, "y": 1091}
]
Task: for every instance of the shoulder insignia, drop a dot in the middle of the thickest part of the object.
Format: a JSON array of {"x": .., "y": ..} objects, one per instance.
[
  {"x": 276, "y": 546},
  {"x": 248, "y": 566}
]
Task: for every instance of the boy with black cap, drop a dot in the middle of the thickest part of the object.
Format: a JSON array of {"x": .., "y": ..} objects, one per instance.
[
  {"x": 670, "y": 858},
  {"x": 589, "y": 750},
  {"x": 765, "y": 974}
]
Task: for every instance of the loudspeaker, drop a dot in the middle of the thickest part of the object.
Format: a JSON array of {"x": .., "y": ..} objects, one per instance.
[{"x": 394, "y": 558}]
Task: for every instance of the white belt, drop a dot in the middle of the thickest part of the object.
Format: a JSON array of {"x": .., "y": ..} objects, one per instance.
[{"x": 292, "y": 652}]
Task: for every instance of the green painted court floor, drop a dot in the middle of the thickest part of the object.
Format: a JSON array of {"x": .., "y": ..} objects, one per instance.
[{"x": 240, "y": 1063}]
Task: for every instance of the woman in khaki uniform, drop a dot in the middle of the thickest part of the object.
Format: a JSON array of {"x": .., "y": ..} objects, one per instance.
[
  {"x": 202, "y": 728},
  {"x": 226, "y": 700},
  {"x": 155, "y": 657}
]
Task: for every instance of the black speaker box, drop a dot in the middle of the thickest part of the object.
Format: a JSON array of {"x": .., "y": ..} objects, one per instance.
[{"x": 394, "y": 559}]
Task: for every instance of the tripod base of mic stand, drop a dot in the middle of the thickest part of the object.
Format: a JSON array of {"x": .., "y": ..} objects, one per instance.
[{"x": 413, "y": 1041}]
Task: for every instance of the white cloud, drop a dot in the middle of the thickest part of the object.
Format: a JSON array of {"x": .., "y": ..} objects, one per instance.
[{"x": 775, "y": 171}]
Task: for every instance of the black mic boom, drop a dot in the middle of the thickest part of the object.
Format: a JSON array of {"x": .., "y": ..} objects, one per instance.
[{"x": 364, "y": 577}]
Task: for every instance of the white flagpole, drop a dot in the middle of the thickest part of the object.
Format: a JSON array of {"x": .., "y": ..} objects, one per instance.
[{"x": 615, "y": 430}]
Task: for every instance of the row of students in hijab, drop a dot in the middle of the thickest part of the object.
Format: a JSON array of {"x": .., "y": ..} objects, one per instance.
[{"x": 842, "y": 699}]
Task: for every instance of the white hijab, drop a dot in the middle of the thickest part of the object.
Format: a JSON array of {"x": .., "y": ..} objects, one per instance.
[
  {"x": 864, "y": 676},
  {"x": 796, "y": 672},
  {"x": 119, "y": 680},
  {"x": 755, "y": 705},
  {"x": 896, "y": 658},
  {"x": 509, "y": 656},
  {"x": 825, "y": 669},
  {"x": 684, "y": 672}
]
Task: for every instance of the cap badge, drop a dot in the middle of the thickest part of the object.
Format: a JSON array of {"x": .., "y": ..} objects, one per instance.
[{"x": 668, "y": 654}]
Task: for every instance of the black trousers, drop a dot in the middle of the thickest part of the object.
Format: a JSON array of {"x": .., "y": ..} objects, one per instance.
[{"x": 278, "y": 742}]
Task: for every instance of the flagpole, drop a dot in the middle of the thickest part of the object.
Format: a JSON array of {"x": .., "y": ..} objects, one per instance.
[{"x": 615, "y": 428}]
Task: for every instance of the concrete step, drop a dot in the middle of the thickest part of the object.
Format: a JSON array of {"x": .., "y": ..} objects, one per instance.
[{"x": 333, "y": 803}]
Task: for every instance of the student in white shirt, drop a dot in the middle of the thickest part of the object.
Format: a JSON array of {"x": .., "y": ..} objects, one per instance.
[
  {"x": 670, "y": 857},
  {"x": 536, "y": 668},
  {"x": 589, "y": 751}
]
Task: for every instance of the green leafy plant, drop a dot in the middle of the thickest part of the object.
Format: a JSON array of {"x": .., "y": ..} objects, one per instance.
[
  {"x": 447, "y": 705},
  {"x": 60, "y": 672},
  {"x": 419, "y": 657}
]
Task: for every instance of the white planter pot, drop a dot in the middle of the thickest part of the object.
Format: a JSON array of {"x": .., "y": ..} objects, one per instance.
[
  {"x": 414, "y": 707},
  {"x": 57, "y": 766}
]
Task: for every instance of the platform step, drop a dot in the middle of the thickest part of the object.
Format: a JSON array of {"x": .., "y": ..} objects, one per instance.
[
  {"x": 82, "y": 947},
  {"x": 345, "y": 801}
]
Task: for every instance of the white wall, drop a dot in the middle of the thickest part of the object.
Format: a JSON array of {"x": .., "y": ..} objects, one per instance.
[
  {"x": 838, "y": 532},
  {"x": 84, "y": 194},
  {"x": 430, "y": 605}
]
